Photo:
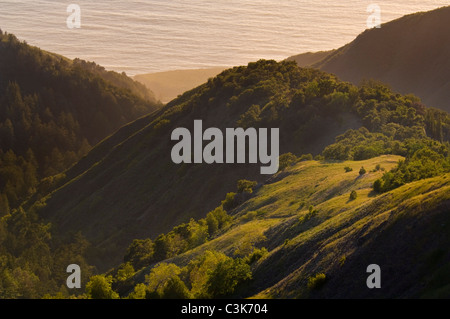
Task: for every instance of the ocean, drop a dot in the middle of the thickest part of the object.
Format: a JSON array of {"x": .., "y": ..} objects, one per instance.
[{"x": 139, "y": 37}]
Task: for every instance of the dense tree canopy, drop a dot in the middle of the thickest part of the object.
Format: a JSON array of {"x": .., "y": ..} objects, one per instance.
[{"x": 52, "y": 110}]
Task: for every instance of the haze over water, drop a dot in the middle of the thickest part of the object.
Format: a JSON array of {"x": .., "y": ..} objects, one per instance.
[{"x": 159, "y": 35}]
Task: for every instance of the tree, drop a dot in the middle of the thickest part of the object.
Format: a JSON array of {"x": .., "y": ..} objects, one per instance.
[
  {"x": 161, "y": 248},
  {"x": 353, "y": 195},
  {"x": 227, "y": 276},
  {"x": 230, "y": 201},
  {"x": 200, "y": 270},
  {"x": 245, "y": 186},
  {"x": 198, "y": 232},
  {"x": 175, "y": 289},
  {"x": 217, "y": 219},
  {"x": 125, "y": 272},
  {"x": 139, "y": 292},
  {"x": 99, "y": 287},
  {"x": 378, "y": 186},
  {"x": 317, "y": 281},
  {"x": 286, "y": 160},
  {"x": 159, "y": 277},
  {"x": 213, "y": 224},
  {"x": 362, "y": 171},
  {"x": 250, "y": 118},
  {"x": 139, "y": 253}
]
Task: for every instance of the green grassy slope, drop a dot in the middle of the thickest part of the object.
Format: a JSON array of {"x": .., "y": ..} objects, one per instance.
[
  {"x": 128, "y": 187},
  {"x": 125, "y": 188},
  {"x": 405, "y": 231}
]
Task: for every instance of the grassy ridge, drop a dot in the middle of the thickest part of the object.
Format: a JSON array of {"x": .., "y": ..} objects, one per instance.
[{"x": 405, "y": 231}]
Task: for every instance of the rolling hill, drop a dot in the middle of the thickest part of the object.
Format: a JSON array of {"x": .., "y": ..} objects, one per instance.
[
  {"x": 52, "y": 111},
  {"x": 404, "y": 231},
  {"x": 363, "y": 179},
  {"x": 411, "y": 54},
  {"x": 127, "y": 187}
]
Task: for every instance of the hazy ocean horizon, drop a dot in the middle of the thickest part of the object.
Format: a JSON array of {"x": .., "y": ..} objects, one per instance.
[{"x": 160, "y": 35}]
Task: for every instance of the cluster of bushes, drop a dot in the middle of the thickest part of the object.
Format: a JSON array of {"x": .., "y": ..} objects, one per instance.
[
  {"x": 317, "y": 281},
  {"x": 210, "y": 275},
  {"x": 391, "y": 121},
  {"x": 310, "y": 214},
  {"x": 425, "y": 162},
  {"x": 244, "y": 192},
  {"x": 143, "y": 252},
  {"x": 288, "y": 159}
]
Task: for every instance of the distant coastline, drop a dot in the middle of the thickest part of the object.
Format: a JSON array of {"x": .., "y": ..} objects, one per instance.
[{"x": 168, "y": 85}]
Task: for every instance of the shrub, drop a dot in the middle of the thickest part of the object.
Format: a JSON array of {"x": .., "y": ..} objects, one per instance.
[
  {"x": 287, "y": 160},
  {"x": 255, "y": 255},
  {"x": 362, "y": 171},
  {"x": 353, "y": 195},
  {"x": 310, "y": 214},
  {"x": 317, "y": 281},
  {"x": 99, "y": 287},
  {"x": 227, "y": 276},
  {"x": 348, "y": 169},
  {"x": 229, "y": 202},
  {"x": 159, "y": 277},
  {"x": 306, "y": 157},
  {"x": 139, "y": 253},
  {"x": 425, "y": 162},
  {"x": 378, "y": 186},
  {"x": 125, "y": 272},
  {"x": 249, "y": 216},
  {"x": 245, "y": 186},
  {"x": 319, "y": 157},
  {"x": 175, "y": 289}
]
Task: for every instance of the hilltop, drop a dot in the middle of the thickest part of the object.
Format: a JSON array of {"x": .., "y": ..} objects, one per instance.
[
  {"x": 309, "y": 59},
  {"x": 411, "y": 54}
]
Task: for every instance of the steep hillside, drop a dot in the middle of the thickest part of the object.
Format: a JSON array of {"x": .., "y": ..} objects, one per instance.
[
  {"x": 308, "y": 59},
  {"x": 411, "y": 54},
  {"x": 52, "y": 110},
  {"x": 405, "y": 231},
  {"x": 128, "y": 187},
  {"x": 120, "y": 80}
]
